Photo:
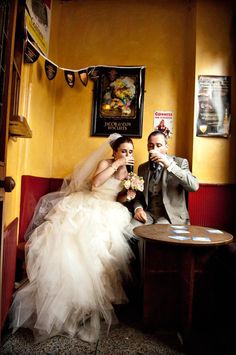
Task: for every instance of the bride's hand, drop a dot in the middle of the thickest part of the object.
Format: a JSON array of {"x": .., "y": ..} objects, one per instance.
[
  {"x": 130, "y": 195},
  {"x": 124, "y": 161}
]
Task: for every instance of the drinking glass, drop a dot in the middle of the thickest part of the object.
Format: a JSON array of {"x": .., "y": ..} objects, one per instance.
[{"x": 130, "y": 168}]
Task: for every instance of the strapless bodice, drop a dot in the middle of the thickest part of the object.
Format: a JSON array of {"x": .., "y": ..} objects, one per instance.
[{"x": 108, "y": 190}]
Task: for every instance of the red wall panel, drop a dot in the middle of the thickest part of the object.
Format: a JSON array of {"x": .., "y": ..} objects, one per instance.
[{"x": 213, "y": 206}]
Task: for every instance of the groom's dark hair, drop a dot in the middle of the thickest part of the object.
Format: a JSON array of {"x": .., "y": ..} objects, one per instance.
[{"x": 157, "y": 133}]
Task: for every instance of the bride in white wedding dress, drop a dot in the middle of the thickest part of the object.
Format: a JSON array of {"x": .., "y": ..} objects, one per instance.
[{"x": 77, "y": 257}]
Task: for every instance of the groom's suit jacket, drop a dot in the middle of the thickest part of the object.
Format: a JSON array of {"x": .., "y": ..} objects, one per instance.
[{"x": 174, "y": 184}]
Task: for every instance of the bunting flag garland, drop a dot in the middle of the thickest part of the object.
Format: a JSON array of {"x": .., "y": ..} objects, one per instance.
[
  {"x": 31, "y": 54},
  {"x": 70, "y": 77},
  {"x": 50, "y": 69},
  {"x": 83, "y": 75}
]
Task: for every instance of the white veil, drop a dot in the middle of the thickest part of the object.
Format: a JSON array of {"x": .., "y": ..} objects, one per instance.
[{"x": 79, "y": 180}]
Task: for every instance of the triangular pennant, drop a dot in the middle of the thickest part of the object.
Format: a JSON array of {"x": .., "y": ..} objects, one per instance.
[
  {"x": 50, "y": 69},
  {"x": 30, "y": 53},
  {"x": 83, "y": 75},
  {"x": 93, "y": 73},
  {"x": 70, "y": 77}
]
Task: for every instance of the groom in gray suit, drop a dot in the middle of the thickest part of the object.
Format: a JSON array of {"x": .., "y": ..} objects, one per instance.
[{"x": 166, "y": 180}]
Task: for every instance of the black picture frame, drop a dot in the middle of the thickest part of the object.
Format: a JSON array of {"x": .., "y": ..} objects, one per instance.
[{"x": 118, "y": 100}]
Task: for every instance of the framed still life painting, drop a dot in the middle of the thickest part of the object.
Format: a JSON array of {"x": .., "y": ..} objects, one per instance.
[{"x": 118, "y": 100}]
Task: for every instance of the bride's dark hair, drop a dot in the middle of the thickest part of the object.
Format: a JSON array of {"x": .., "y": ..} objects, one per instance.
[{"x": 116, "y": 143}]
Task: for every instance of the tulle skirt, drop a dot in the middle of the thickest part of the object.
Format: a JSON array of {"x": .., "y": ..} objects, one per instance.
[{"x": 75, "y": 264}]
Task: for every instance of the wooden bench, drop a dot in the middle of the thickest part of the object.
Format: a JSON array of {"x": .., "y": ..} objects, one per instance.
[
  {"x": 8, "y": 268},
  {"x": 32, "y": 189},
  {"x": 211, "y": 205}
]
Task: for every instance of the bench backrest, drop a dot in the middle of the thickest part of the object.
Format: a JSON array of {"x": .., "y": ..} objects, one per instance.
[
  {"x": 32, "y": 188},
  {"x": 213, "y": 206}
]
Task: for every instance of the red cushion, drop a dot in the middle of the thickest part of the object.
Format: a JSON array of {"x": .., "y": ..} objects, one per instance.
[
  {"x": 32, "y": 188},
  {"x": 213, "y": 206},
  {"x": 55, "y": 184},
  {"x": 21, "y": 251}
]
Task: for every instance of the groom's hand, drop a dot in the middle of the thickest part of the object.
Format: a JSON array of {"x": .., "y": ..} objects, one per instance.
[{"x": 140, "y": 215}]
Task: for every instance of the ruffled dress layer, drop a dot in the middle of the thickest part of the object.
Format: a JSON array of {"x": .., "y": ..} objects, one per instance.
[{"x": 75, "y": 263}]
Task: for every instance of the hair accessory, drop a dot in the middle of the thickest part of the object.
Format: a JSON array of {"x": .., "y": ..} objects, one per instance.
[{"x": 113, "y": 137}]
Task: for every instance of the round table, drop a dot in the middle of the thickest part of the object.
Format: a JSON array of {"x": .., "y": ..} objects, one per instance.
[
  {"x": 183, "y": 234},
  {"x": 172, "y": 257}
]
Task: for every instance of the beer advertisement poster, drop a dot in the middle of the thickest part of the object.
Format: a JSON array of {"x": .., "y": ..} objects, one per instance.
[
  {"x": 38, "y": 22},
  {"x": 213, "y": 106}
]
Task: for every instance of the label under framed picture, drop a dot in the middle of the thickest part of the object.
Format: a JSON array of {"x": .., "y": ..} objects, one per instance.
[
  {"x": 214, "y": 106},
  {"x": 118, "y": 100}
]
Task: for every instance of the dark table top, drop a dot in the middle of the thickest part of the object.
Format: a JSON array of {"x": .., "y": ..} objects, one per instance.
[{"x": 183, "y": 234}]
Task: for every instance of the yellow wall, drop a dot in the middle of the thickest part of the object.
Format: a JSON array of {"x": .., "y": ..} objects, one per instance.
[
  {"x": 150, "y": 33},
  {"x": 25, "y": 155},
  {"x": 213, "y": 158},
  {"x": 175, "y": 40}
]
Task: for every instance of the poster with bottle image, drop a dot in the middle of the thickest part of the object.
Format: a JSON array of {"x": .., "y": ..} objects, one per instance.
[{"x": 213, "y": 106}]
